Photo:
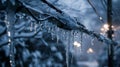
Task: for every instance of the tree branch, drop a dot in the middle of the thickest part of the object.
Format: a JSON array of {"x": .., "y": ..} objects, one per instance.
[
  {"x": 46, "y": 44},
  {"x": 69, "y": 23},
  {"x": 27, "y": 35},
  {"x": 29, "y": 11}
]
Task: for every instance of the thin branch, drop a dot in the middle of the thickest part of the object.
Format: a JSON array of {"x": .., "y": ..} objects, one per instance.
[
  {"x": 44, "y": 41},
  {"x": 27, "y": 35},
  {"x": 19, "y": 25},
  {"x": 22, "y": 5},
  {"x": 45, "y": 18},
  {"x": 29, "y": 11},
  {"x": 23, "y": 35},
  {"x": 21, "y": 28},
  {"x": 22, "y": 44}
]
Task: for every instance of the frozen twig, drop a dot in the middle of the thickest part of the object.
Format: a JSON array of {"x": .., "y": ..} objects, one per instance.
[
  {"x": 27, "y": 35},
  {"x": 44, "y": 41},
  {"x": 29, "y": 11}
]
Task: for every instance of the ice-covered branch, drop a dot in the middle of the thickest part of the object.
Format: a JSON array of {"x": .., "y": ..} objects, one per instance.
[
  {"x": 98, "y": 36},
  {"x": 44, "y": 41},
  {"x": 28, "y": 35},
  {"x": 30, "y": 12},
  {"x": 69, "y": 23}
]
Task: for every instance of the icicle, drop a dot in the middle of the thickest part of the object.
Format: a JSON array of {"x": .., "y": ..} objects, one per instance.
[
  {"x": 35, "y": 27},
  {"x": 84, "y": 35},
  {"x": 81, "y": 41},
  {"x": 45, "y": 25},
  {"x": 31, "y": 26},
  {"x": 52, "y": 34},
  {"x": 76, "y": 36},
  {"x": 72, "y": 34},
  {"x": 67, "y": 55},
  {"x": 40, "y": 25},
  {"x": 92, "y": 41},
  {"x": 72, "y": 46},
  {"x": 61, "y": 35},
  {"x": 65, "y": 37},
  {"x": 57, "y": 31},
  {"x": 68, "y": 39},
  {"x": 72, "y": 40}
]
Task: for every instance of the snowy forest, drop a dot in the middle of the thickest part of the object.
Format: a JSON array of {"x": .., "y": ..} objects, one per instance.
[{"x": 59, "y": 33}]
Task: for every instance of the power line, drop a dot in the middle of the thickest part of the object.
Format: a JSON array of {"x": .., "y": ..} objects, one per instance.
[{"x": 95, "y": 10}]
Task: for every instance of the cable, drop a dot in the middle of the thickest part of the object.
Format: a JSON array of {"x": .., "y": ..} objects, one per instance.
[{"x": 100, "y": 18}]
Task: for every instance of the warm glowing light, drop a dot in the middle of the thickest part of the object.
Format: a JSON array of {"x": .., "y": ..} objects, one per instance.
[
  {"x": 90, "y": 50},
  {"x": 102, "y": 29},
  {"x": 113, "y": 27},
  {"x": 105, "y": 26},
  {"x": 77, "y": 44}
]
